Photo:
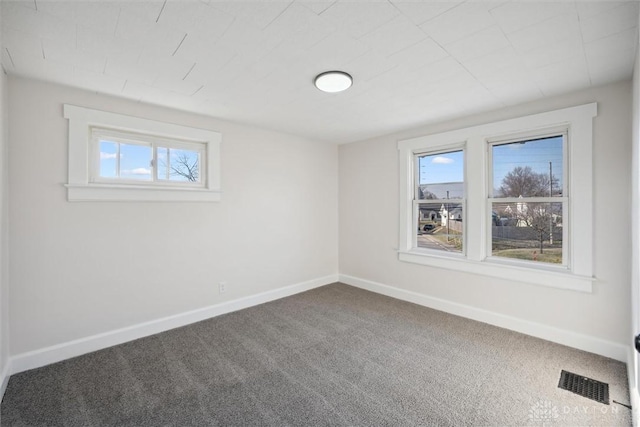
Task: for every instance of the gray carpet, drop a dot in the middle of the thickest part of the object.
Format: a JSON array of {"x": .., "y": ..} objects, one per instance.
[{"x": 335, "y": 355}]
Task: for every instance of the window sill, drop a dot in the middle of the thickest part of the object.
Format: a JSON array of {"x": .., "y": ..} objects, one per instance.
[
  {"x": 139, "y": 193},
  {"x": 542, "y": 277}
]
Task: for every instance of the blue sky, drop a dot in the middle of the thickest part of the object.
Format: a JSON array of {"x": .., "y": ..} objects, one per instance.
[
  {"x": 135, "y": 161},
  {"x": 449, "y": 167},
  {"x": 535, "y": 154},
  {"x": 439, "y": 168}
]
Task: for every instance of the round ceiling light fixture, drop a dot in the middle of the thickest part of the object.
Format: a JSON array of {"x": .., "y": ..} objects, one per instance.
[{"x": 333, "y": 81}]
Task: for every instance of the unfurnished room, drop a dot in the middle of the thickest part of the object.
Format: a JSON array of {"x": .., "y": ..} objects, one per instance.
[{"x": 319, "y": 212}]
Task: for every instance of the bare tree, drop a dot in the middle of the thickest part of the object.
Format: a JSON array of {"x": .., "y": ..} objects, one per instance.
[
  {"x": 426, "y": 194},
  {"x": 539, "y": 217},
  {"x": 523, "y": 181},
  {"x": 182, "y": 165}
]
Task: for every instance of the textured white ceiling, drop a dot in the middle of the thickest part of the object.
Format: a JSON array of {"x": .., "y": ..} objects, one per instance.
[{"x": 413, "y": 62}]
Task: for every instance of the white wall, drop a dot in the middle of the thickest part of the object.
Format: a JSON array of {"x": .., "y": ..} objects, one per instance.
[
  {"x": 635, "y": 237},
  {"x": 369, "y": 227},
  {"x": 79, "y": 269},
  {"x": 4, "y": 229}
]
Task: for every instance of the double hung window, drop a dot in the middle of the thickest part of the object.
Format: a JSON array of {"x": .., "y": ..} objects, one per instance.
[
  {"x": 510, "y": 199},
  {"x": 528, "y": 198},
  {"x": 439, "y": 201}
]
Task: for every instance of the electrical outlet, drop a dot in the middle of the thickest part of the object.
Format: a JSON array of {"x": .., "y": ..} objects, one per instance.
[{"x": 222, "y": 287}]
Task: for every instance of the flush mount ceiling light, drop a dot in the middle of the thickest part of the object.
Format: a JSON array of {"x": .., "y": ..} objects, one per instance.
[{"x": 333, "y": 81}]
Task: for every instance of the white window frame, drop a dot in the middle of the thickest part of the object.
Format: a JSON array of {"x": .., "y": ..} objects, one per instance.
[
  {"x": 153, "y": 142},
  {"x": 577, "y": 274},
  {"x": 84, "y": 185},
  {"x": 417, "y": 203},
  {"x": 564, "y": 200}
]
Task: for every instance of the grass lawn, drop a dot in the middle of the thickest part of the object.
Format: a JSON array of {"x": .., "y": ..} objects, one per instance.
[
  {"x": 453, "y": 238},
  {"x": 551, "y": 255}
]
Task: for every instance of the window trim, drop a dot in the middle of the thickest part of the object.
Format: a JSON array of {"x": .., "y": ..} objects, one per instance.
[
  {"x": 80, "y": 186},
  {"x": 578, "y": 275}
]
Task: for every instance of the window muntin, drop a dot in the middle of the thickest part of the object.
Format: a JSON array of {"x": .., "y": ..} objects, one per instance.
[
  {"x": 529, "y": 199},
  {"x": 144, "y": 159},
  {"x": 439, "y": 177}
]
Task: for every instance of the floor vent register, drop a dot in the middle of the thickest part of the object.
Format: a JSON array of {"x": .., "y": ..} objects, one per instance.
[{"x": 583, "y": 386}]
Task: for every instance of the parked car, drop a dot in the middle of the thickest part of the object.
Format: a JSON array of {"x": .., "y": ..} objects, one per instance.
[
  {"x": 426, "y": 225},
  {"x": 495, "y": 219}
]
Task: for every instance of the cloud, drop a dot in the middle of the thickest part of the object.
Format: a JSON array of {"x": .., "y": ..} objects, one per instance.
[
  {"x": 105, "y": 156},
  {"x": 140, "y": 171},
  {"x": 442, "y": 160}
]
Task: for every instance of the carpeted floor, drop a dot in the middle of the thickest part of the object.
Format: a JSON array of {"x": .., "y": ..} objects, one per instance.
[{"x": 335, "y": 355}]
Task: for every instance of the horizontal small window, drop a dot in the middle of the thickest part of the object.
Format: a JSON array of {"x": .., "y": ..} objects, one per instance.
[
  {"x": 114, "y": 157},
  {"x": 130, "y": 158}
]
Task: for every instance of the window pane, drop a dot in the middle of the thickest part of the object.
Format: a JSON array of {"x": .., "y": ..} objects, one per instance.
[
  {"x": 441, "y": 176},
  {"x": 162, "y": 168},
  {"x": 135, "y": 162},
  {"x": 440, "y": 226},
  {"x": 184, "y": 165},
  {"x": 529, "y": 231},
  {"x": 108, "y": 161},
  {"x": 528, "y": 168}
]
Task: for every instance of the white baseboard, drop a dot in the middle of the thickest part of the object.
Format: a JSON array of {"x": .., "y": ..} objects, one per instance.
[
  {"x": 45, "y": 356},
  {"x": 561, "y": 336},
  {"x": 4, "y": 379},
  {"x": 634, "y": 397}
]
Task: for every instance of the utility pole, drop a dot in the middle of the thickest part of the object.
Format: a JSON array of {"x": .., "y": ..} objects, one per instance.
[
  {"x": 550, "y": 210},
  {"x": 448, "y": 216}
]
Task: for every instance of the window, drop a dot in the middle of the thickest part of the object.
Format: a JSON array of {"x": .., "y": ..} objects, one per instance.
[
  {"x": 439, "y": 201},
  {"x": 519, "y": 203},
  {"x": 113, "y": 157},
  {"x": 528, "y": 199},
  {"x": 130, "y": 158}
]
